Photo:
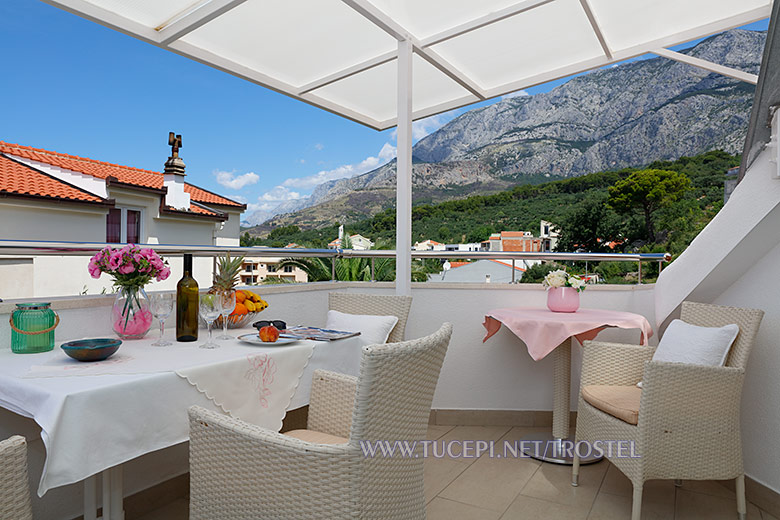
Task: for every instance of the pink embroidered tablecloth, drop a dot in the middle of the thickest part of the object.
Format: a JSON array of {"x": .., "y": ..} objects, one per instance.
[{"x": 542, "y": 330}]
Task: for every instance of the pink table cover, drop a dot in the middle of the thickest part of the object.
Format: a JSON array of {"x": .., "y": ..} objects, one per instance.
[{"x": 542, "y": 330}]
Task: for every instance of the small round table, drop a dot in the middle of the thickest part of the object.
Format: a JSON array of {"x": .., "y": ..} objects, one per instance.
[{"x": 543, "y": 332}]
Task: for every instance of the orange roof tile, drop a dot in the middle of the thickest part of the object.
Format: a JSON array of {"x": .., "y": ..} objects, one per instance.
[
  {"x": 103, "y": 170},
  {"x": 510, "y": 234},
  {"x": 458, "y": 264},
  {"x": 19, "y": 179}
]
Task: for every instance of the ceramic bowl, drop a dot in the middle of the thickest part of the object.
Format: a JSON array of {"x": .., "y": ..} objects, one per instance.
[{"x": 91, "y": 349}]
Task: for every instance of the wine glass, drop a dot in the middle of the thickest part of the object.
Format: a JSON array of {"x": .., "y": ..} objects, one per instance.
[
  {"x": 209, "y": 310},
  {"x": 227, "y": 304},
  {"x": 161, "y": 305}
]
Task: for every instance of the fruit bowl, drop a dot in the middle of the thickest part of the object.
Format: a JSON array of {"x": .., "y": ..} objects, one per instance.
[{"x": 238, "y": 321}]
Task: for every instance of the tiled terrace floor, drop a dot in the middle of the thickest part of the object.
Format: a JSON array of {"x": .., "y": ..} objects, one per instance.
[{"x": 520, "y": 489}]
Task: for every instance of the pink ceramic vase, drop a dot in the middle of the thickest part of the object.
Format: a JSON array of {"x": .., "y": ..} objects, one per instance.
[{"x": 563, "y": 299}]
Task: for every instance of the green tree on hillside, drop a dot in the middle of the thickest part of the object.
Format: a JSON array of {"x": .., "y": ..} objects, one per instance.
[
  {"x": 648, "y": 191},
  {"x": 590, "y": 226}
]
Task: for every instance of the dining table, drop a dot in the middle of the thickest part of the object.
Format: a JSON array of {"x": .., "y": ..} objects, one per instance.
[
  {"x": 95, "y": 416},
  {"x": 544, "y": 332}
]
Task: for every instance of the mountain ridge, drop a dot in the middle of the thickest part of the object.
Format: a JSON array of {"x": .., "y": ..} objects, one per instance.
[{"x": 626, "y": 115}]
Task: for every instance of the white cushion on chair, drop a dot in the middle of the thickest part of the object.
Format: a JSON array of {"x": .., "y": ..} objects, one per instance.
[
  {"x": 373, "y": 329},
  {"x": 686, "y": 343}
]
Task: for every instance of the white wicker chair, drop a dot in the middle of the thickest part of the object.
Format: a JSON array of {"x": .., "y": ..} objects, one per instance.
[
  {"x": 241, "y": 471},
  {"x": 14, "y": 486},
  {"x": 377, "y": 305},
  {"x": 688, "y": 416}
]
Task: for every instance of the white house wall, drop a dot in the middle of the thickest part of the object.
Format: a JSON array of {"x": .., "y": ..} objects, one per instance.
[
  {"x": 229, "y": 233},
  {"x": 43, "y": 220}
]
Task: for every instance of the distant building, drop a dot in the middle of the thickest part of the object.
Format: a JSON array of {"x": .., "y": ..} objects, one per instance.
[
  {"x": 357, "y": 242},
  {"x": 429, "y": 245},
  {"x": 463, "y": 247},
  {"x": 257, "y": 270},
  {"x": 523, "y": 241},
  {"x": 549, "y": 233},
  {"x": 481, "y": 271}
]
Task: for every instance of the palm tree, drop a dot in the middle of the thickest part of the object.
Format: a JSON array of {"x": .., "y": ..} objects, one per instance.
[{"x": 347, "y": 269}]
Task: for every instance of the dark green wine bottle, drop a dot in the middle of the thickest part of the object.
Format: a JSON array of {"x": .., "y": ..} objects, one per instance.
[{"x": 187, "y": 304}]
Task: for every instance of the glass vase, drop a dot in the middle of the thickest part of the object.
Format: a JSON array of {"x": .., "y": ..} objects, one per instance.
[{"x": 131, "y": 317}]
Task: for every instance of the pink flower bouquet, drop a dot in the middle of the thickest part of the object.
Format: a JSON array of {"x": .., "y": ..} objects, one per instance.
[{"x": 131, "y": 267}]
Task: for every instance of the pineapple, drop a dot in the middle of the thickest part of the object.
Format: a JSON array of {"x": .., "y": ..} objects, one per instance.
[{"x": 226, "y": 276}]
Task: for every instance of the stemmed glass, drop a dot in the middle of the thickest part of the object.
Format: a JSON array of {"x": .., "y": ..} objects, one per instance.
[
  {"x": 161, "y": 306},
  {"x": 227, "y": 304},
  {"x": 209, "y": 311}
]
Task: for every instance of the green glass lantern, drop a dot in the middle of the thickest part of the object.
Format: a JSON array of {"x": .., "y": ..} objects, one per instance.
[{"x": 32, "y": 328}]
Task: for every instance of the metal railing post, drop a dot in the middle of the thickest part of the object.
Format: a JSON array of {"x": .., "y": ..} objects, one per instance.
[
  {"x": 373, "y": 278},
  {"x": 333, "y": 269},
  {"x": 513, "y": 270},
  {"x": 639, "y": 278}
]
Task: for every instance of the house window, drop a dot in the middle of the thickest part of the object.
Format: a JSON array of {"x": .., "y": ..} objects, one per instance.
[
  {"x": 114, "y": 225},
  {"x": 271, "y": 268},
  {"x": 288, "y": 269},
  {"x": 123, "y": 225}
]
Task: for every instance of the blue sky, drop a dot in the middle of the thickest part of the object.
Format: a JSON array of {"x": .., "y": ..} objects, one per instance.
[{"x": 73, "y": 86}]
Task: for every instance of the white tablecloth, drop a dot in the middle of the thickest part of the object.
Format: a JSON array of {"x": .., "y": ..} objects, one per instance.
[{"x": 93, "y": 422}]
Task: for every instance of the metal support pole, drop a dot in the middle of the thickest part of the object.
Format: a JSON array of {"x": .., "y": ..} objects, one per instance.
[
  {"x": 333, "y": 269},
  {"x": 403, "y": 206},
  {"x": 639, "y": 278},
  {"x": 373, "y": 277},
  {"x": 513, "y": 270},
  {"x": 586, "y": 268}
]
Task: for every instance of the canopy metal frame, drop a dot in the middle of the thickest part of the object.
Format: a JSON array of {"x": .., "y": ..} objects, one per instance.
[{"x": 169, "y": 36}]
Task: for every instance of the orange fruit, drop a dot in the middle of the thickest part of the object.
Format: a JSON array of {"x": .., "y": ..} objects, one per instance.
[
  {"x": 240, "y": 309},
  {"x": 240, "y": 296}
]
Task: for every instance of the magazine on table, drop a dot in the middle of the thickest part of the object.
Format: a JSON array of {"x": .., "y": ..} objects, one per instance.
[{"x": 318, "y": 334}]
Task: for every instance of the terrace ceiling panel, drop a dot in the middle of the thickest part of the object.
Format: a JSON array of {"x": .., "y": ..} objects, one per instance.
[
  {"x": 375, "y": 91},
  {"x": 296, "y": 42},
  {"x": 548, "y": 38},
  {"x": 628, "y": 24},
  {"x": 427, "y": 18},
  {"x": 151, "y": 13}
]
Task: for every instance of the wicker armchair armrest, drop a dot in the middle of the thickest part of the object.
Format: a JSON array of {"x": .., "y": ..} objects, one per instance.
[
  {"x": 689, "y": 420},
  {"x": 332, "y": 402},
  {"x": 613, "y": 363},
  {"x": 14, "y": 487},
  {"x": 237, "y": 469}
]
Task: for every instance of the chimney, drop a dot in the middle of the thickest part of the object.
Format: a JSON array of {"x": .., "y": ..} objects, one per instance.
[{"x": 173, "y": 177}]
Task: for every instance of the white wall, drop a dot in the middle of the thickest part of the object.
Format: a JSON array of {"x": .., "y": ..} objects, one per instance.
[
  {"x": 734, "y": 261},
  {"x": 21, "y": 220},
  {"x": 759, "y": 287}
]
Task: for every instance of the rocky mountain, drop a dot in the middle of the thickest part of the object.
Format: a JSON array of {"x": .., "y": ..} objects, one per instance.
[{"x": 626, "y": 115}]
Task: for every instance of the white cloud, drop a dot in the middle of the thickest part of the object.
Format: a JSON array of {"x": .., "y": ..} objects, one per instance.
[
  {"x": 279, "y": 194},
  {"x": 236, "y": 182},
  {"x": 265, "y": 206},
  {"x": 387, "y": 153},
  {"x": 319, "y": 147},
  {"x": 517, "y": 93}
]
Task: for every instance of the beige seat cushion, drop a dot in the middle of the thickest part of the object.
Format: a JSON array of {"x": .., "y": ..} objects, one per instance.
[
  {"x": 316, "y": 437},
  {"x": 618, "y": 401}
]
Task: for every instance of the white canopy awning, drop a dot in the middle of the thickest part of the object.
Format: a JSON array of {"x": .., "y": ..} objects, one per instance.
[{"x": 341, "y": 55}]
